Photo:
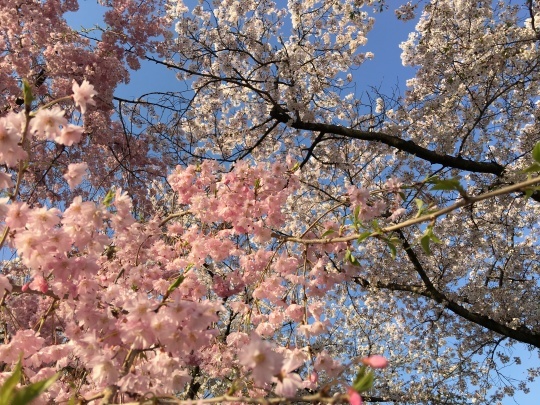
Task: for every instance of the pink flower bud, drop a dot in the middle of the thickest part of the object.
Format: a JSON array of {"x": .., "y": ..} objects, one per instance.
[
  {"x": 314, "y": 377},
  {"x": 354, "y": 397},
  {"x": 25, "y": 287},
  {"x": 44, "y": 288},
  {"x": 375, "y": 361}
]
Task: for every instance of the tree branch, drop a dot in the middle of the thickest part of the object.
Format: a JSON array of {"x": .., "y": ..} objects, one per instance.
[
  {"x": 522, "y": 334},
  {"x": 281, "y": 115},
  {"x": 418, "y": 220}
]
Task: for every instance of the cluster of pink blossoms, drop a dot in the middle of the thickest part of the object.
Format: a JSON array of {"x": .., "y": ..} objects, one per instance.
[
  {"x": 97, "y": 288},
  {"x": 35, "y": 232}
]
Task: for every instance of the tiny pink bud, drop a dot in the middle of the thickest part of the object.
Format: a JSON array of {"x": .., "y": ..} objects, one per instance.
[
  {"x": 354, "y": 397},
  {"x": 375, "y": 361},
  {"x": 314, "y": 377},
  {"x": 25, "y": 287}
]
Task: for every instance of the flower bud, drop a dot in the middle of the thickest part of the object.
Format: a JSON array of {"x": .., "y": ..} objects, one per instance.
[{"x": 375, "y": 361}]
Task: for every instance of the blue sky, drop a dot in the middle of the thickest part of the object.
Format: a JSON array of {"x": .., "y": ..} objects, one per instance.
[{"x": 385, "y": 71}]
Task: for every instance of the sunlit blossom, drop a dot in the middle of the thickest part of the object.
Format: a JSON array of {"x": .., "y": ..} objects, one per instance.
[
  {"x": 261, "y": 359},
  {"x": 48, "y": 123},
  {"x": 75, "y": 174},
  {"x": 83, "y": 95}
]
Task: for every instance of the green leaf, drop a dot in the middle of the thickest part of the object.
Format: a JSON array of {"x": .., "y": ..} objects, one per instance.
[
  {"x": 363, "y": 236},
  {"x": 432, "y": 179},
  {"x": 351, "y": 259},
  {"x": 359, "y": 375},
  {"x": 179, "y": 280},
  {"x": 107, "y": 200},
  {"x": 534, "y": 168},
  {"x": 30, "y": 392},
  {"x": 434, "y": 238},
  {"x": 6, "y": 390},
  {"x": 328, "y": 232},
  {"x": 447, "y": 184},
  {"x": 392, "y": 247},
  {"x": 536, "y": 152},
  {"x": 27, "y": 93},
  {"x": 176, "y": 283},
  {"x": 428, "y": 236},
  {"x": 529, "y": 191},
  {"x": 421, "y": 207},
  {"x": 424, "y": 241},
  {"x": 356, "y": 214},
  {"x": 364, "y": 383}
]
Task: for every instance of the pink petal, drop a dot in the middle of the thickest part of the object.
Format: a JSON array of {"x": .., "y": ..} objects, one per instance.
[
  {"x": 375, "y": 361},
  {"x": 354, "y": 397}
]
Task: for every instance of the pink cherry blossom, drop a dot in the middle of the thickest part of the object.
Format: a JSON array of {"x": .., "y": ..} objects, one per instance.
[
  {"x": 39, "y": 284},
  {"x": 47, "y": 123},
  {"x": 75, "y": 174},
  {"x": 69, "y": 135},
  {"x": 43, "y": 219},
  {"x": 5, "y": 285},
  {"x": 83, "y": 95},
  {"x": 375, "y": 361},
  {"x": 5, "y": 180},
  {"x": 10, "y": 135},
  {"x": 24, "y": 341},
  {"x": 17, "y": 215},
  {"x": 358, "y": 196},
  {"x": 261, "y": 359},
  {"x": 287, "y": 382}
]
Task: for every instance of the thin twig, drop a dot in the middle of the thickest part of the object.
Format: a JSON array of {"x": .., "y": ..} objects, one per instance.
[{"x": 424, "y": 218}]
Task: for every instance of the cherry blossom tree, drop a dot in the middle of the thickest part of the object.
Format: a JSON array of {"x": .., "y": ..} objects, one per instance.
[{"x": 267, "y": 234}]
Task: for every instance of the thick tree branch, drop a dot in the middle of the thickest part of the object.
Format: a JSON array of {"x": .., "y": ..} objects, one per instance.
[
  {"x": 406, "y": 146},
  {"x": 415, "y": 289},
  {"x": 311, "y": 149},
  {"x": 522, "y": 334}
]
